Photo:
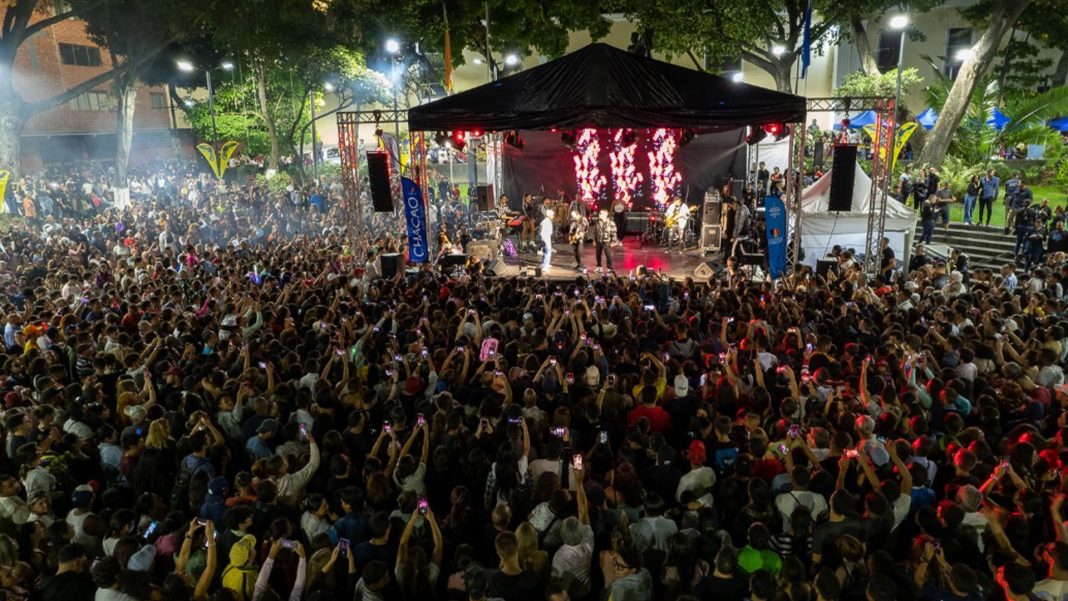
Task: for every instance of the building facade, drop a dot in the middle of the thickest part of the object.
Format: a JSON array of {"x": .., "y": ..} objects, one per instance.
[{"x": 62, "y": 56}]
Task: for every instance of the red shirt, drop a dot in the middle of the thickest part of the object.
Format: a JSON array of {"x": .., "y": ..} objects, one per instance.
[{"x": 659, "y": 420}]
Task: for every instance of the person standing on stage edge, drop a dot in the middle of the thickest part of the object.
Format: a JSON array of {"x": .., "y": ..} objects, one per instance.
[
  {"x": 605, "y": 236},
  {"x": 545, "y": 232},
  {"x": 576, "y": 235}
]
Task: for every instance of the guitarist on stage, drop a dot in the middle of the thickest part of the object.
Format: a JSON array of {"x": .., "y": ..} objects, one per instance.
[{"x": 576, "y": 235}]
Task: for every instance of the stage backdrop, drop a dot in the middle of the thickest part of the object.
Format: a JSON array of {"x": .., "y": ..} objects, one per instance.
[{"x": 544, "y": 165}]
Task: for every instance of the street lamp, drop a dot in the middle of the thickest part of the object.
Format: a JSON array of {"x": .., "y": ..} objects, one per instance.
[
  {"x": 186, "y": 66},
  {"x": 736, "y": 77},
  {"x": 899, "y": 22},
  {"x": 228, "y": 65},
  {"x": 393, "y": 48},
  {"x": 511, "y": 60},
  {"x": 963, "y": 54},
  {"x": 777, "y": 51},
  {"x": 329, "y": 87}
]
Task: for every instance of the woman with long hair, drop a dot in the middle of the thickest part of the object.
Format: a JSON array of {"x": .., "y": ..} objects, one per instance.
[
  {"x": 417, "y": 574},
  {"x": 531, "y": 558}
]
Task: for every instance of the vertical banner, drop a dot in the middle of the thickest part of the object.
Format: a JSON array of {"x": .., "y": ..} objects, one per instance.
[
  {"x": 4, "y": 177},
  {"x": 415, "y": 216},
  {"x": 775, "y": 220}
]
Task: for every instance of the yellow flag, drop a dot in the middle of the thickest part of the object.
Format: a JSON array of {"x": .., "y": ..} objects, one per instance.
[
  {"x": 4, "y": 176},
  {"x": 903, "y": 134},
  {"x": 218, "y": 163}
]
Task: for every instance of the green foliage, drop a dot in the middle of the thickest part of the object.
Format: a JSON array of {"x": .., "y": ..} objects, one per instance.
[
  {"x": 958, "y": 172},
  {"x": 858, "y": 83},
  {"x": 277, "y": 183}
]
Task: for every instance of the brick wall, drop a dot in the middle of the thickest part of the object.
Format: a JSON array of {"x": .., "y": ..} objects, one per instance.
[{"x": 40, "y": 73}]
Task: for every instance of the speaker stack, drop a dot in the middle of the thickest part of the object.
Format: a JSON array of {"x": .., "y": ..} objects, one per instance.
[
  {"x": 378, "y": 174},
  {"x": 711, "y": 221},
  {"x": 843, "y": 172}
]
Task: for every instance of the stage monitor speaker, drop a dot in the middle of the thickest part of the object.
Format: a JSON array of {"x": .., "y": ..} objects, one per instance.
[
  {"x": 707, "y": 270},
  {"x": 391, "y": 264},
  {"x": 843, "y": 171},
  {"x": 378, "y": 174},
  {"x": 485, "y": 250},
  {"x": 737, "y": 188},
  {"x": 711, "y": 237},
  {"x": 484, "y": 198},
  {"x": 824, "y": 266},
  {"x": 495, "y": 267}
]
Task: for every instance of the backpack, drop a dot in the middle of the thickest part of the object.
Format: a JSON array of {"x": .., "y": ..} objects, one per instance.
[{"x": 180, "y": 491}]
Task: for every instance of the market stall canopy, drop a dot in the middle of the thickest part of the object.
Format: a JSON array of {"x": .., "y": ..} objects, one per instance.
[
  {"x": 858, "y": 122},
  {"x": 1060, "y": 124},
  {"x": 600, "y": 86},
  {"x": 927, "y": 119},
  {"x": 997, "y": 119}
]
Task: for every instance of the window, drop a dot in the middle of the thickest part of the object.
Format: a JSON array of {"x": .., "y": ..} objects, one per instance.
[
  {"x": 889, "y": 49},
  {"x": 958, "y": 40},
  {"x": 83, "y": 56},
  {"x": 157, "y": 100},
  {"x": 92, "y": 101}
]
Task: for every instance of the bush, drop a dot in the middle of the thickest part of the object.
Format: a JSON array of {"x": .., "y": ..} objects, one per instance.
[
  {"x": 276, "y": 183},
  {"x": 958, "y": 174}
]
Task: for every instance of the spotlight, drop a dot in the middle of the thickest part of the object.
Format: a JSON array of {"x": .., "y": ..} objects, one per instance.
[
  {"x": 686, "y": 136},
  {"x": 513, "y": 139},
  {"x": 567, "y": 138},
  {"x": 511, "y": 60},
  {"x": 440, "y": 138},
  {"x": 629, "y": 138},
  {"x": 475, "y": 133},
  {"x": 459, "y": 140},
  {"x": 737, "y": 77},
  {"x": 777, "y": 130},
  {"x": 756, "y": 134}
]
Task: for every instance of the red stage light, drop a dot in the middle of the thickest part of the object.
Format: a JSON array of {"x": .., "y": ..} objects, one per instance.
[
  {"x": 476, "y": 133},
  {"x": 459, "y": 140},
  {"x": 777, "y": 130}
]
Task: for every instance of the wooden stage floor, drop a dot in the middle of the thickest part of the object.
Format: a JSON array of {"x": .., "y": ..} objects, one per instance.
[{"x": 625, "y": 259}]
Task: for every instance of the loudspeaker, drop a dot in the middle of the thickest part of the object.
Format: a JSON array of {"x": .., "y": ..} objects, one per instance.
[
  {"x": 636, "y": 222},
  {"x": 378, "y": 174},
  {"x": 706, "y": 270},
  {"x": 843, "y": 171},
  {"x": 391, "y": 264},
  {"x": 483, "y": 249},
  {"x": 711, "y": 237},
  {"x": 495, "y": 267},
  {"x": 484, "y": 198}
]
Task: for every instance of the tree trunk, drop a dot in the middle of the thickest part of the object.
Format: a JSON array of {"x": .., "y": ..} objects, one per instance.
[
  {"x": 1060, "y": 74},
  {"x": 868, "y": 62},
  {"x": 265, "y": 112},
  {"x": 126, "y": 95},
  {"x": 11, "y": 124},
  {"x": 783, "y": 74},
  {"x": 971, "y": 72}
]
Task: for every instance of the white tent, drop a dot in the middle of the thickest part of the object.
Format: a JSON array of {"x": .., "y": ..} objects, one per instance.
[{"x": 822, "y": 229}]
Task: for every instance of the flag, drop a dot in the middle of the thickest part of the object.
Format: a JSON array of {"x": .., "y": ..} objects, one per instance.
[
  {"x": 448, "y": 50},
  {"x": 775, "y": 224},
  {"x": 806, "y": 43},
  {"x": 415, "y": 215}
]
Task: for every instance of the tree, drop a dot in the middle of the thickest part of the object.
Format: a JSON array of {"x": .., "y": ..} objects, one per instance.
[
  {"x": 856, "y": 16},
  {"x": 859, "y": 83},
  {"x": 766, "y": 34},
  {"x": 1003, "y": 15},
  {"x": 23, "y": 19},
  {"x": 135, "y": 34},
  {"x": 1042, "y": 23}
]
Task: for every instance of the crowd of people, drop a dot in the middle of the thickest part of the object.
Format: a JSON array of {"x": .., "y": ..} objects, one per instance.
[{"x": 212, "y": 394}]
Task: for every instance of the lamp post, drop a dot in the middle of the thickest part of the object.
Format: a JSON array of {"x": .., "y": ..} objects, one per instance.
[
  {"x": 393, "y": 49},
  {"x": 899, "y": 22},
  {"x": 329, "y": 87},
  {"x": 188, "y": 67}
]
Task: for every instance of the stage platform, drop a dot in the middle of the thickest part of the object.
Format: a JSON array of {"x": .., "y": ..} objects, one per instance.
[{"x": 625, "y": 259}]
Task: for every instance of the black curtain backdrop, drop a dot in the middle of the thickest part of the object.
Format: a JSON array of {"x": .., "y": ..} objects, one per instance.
[{"x": 544, "y": 165}]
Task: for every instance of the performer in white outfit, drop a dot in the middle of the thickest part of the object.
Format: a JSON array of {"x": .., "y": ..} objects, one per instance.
[{"x": 546, "y": 234}]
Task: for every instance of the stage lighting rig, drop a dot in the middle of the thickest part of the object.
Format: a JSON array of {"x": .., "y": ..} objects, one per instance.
[
  {"x": 513, "y": 139},
  {"x": 459, "y": 140},
  {"x": 686, "y": 136},
  {"x": 756, "y": 134}
]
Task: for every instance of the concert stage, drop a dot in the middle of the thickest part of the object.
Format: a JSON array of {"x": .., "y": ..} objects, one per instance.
[{"x": 625, "y": 259}]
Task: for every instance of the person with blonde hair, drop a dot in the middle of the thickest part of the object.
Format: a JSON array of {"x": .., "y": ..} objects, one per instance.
[{"x": 531, "y": 558}]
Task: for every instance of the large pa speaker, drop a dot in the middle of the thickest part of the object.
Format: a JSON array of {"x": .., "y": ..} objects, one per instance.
[
  {"x": 824, "y": 266},
  {"x": 484, "y": 198},
  {"x": 711, "y": 237},
  {"x": 391, "y": 264},
  {"x": 637, "y": 222},
  {"x": 378, "y": 174},
  {"x": 495, "y": 267},
  {"x": 843, "y": 171}
]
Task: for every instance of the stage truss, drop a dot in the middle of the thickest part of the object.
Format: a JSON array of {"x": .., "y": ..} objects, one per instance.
[{"x": 882, "y": 153}]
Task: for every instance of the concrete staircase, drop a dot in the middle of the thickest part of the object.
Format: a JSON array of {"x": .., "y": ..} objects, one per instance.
[{"x": 986, "y": 247}]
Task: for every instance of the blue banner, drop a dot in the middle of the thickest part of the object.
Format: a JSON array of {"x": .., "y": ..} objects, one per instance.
[
  {"x": 415, "y": 216},
  {"x": 806, "y": 41},
  {"x": 775, "y": 220}
]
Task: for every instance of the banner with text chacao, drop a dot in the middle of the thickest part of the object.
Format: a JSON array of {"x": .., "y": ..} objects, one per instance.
[{"x": 415, "y": 216}]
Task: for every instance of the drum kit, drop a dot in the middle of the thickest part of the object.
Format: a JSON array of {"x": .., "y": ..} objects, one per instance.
[{"x": 673, "y": 229}]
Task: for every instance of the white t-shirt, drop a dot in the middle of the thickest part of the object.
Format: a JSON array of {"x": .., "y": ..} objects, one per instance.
[
  {"x": 1051, "y": 590},
  {"x": 787, "y": 502}
]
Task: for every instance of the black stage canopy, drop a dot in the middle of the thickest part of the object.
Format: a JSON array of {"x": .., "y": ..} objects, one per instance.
[{"x": 601, "y": 86}]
